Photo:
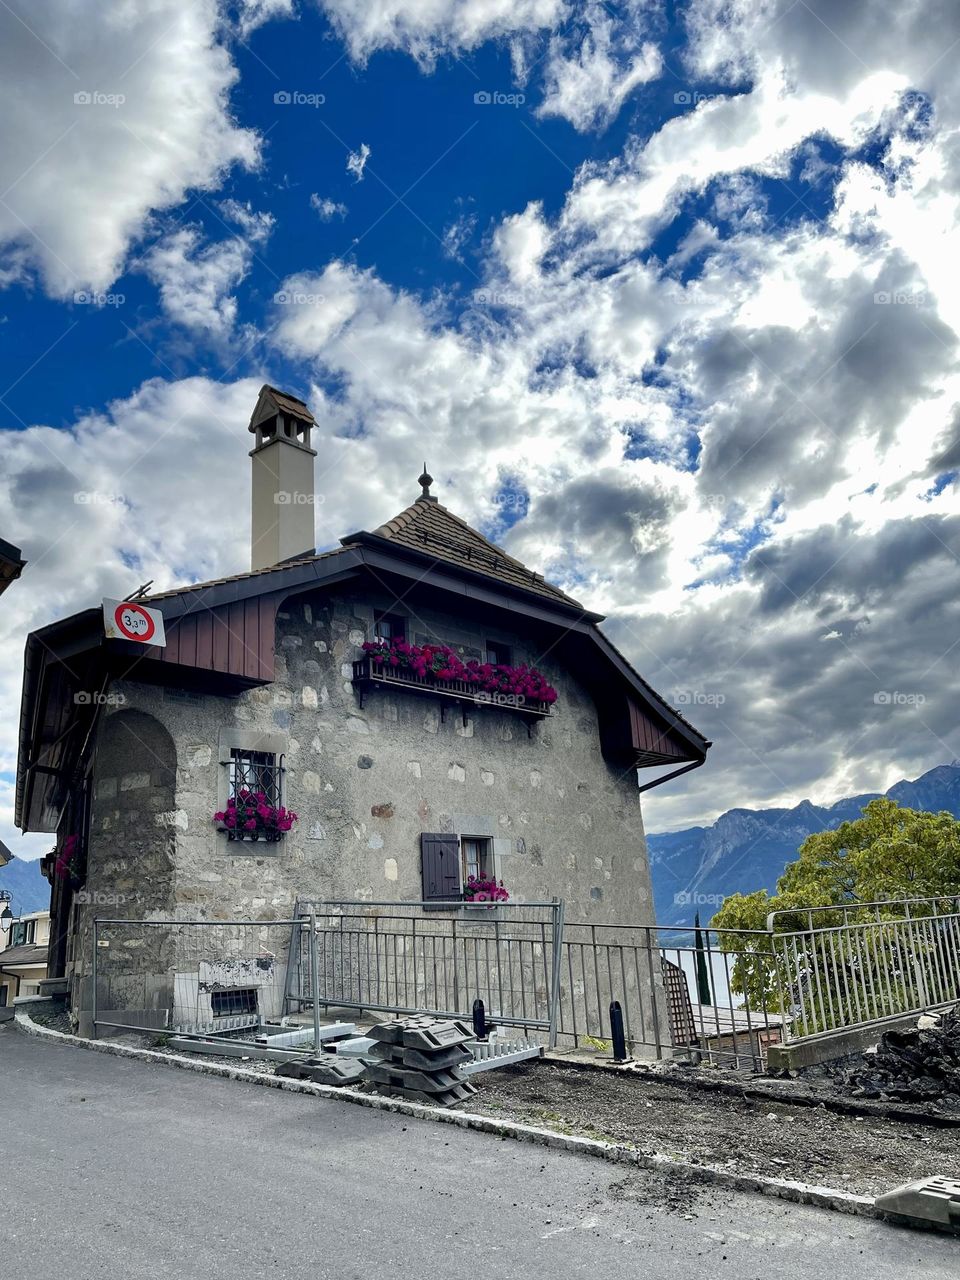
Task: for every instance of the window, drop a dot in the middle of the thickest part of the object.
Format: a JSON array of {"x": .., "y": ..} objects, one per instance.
[
  {"x": 476, "y": 856},
  {"x": 23, "y": 933},
  {"x": 499, "y": 654},
  {"x": 227, "y": 1004},
  {"x": 389, "y": 626},
  {"x": 254, "y": 771}
]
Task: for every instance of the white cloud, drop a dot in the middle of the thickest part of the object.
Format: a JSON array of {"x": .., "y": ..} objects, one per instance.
[
  {"x": 326, "y": 209},
  {"x": 254, "y": 13},
  {"x": 589, "y": 74},
  {"x": 428, "y": 28},
  {"x": 256, "y": 225},
  {"x": 357, "y": 161},
  {"x": 81, "y": 176},
  {"x": 195, "y": 283}
]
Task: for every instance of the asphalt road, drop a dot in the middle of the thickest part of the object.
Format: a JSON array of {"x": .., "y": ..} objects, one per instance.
[{"x": 111, "y": 1168}]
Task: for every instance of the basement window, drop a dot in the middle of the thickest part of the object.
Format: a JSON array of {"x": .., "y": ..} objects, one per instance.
[{"x": 229, "y": 1004}]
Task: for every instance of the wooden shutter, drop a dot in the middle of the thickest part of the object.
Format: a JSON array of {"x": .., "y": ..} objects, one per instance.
[{"x": 440, "y": 861}]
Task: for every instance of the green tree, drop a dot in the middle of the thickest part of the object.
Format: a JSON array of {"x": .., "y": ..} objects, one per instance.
[{"x": 887, "y": 853}]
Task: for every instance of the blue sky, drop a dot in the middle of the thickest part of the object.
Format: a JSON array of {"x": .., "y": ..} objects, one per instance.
[{"x": 670, "y": 308}]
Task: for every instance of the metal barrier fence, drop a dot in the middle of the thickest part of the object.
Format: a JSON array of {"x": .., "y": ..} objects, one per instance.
[
  {"x": 707, "y": 996},
  {"x": 417, "y": 957},
  {"x": 677, "y": 997},
  {"x": 192, "y": 976}
]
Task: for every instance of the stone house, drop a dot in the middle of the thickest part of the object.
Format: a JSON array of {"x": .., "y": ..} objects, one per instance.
[{"x": 403, "y": 785}]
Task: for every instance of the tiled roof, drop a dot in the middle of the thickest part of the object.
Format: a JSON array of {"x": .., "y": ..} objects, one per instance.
[
  {"x": 428, "y": 527},
  {"x": 238, "y": 577},
  {"x": 27, "y": 954}
]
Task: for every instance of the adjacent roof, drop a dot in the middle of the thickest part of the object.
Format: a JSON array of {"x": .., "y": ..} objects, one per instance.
[
  {"x": 427, "y": 526},
  {"x": 11, "y": 564},
  {"x": 25, "y": 955}
]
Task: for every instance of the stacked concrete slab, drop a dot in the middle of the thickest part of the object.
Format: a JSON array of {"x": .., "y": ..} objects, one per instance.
[{"x": 420, "y": 1058}]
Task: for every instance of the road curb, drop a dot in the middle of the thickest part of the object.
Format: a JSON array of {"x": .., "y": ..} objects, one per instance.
[{"x": 779, "y": 1188}]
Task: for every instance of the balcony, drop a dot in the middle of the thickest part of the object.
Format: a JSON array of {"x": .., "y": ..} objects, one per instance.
[{"x": 371, "y": 673}]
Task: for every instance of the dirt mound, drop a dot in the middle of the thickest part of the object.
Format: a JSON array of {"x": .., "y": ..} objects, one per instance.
[{"x": 915, "y": 1066}]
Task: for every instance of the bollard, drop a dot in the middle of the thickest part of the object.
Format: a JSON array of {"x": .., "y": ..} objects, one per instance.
[
  {"x": 616, "y": 1032},
  {"x": 479, "y": 1020}
]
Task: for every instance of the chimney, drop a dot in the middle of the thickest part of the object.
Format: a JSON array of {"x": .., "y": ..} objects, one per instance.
[{"x": 283, "y": 496}]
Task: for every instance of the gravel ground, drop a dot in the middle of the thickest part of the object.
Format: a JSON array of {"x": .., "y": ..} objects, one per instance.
[{"x": 863, "y": 1154}]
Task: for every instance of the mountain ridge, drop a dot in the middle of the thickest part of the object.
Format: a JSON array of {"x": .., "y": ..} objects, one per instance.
[{"x": 747, "y": 849}]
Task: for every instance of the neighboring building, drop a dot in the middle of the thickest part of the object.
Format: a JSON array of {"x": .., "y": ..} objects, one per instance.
[
  {"x": 23, "y": 960},
  {"x": 11, "y": 564},
  {"x": 403, "y": 786}
]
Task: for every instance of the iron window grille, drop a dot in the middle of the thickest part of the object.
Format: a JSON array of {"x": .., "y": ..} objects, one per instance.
[
  {"x": 228, "y": 1004},
  {"x": 255, "y": 771}
]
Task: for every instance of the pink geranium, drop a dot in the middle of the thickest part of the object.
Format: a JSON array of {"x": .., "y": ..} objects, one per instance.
[{"x": 439, "y": 662}]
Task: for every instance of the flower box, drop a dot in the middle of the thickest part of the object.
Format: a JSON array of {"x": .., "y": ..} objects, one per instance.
[{"x": 436, "y": 670}]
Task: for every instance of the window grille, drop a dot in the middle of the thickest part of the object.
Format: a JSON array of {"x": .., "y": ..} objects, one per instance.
[
  {"x": 230, "y": 1003},
  {"x": 253, "y": 772}
]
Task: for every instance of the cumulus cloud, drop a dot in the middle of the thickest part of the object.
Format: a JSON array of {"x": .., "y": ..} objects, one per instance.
[
  {"x": 591, "y": 72},
  {"x": 254, "y": 13},
  {"x": 357, "y": 161},
  {"x": 326, "y": 209},
  {"x": 256, "y": 224},
  {"x": 195, "y": 282},
  {"x": 428, "y": 28},
  {"x": 106, "y": 113}
]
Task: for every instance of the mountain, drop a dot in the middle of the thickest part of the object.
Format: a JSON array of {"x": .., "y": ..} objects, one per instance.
[
  {"x": 30, "y": 892},
  {"x": 747, "y": 849}
]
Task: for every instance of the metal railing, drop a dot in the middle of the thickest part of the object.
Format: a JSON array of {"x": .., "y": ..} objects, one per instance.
[
  {"x": 720, "y": 997},
  {"x": 677, "y": 998},
  {"x": 420, "y": 957},
  {"x": 863, "y": 963}
]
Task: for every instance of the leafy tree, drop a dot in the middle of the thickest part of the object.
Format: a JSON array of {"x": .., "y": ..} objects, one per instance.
[{"x": 887, "y": 853}]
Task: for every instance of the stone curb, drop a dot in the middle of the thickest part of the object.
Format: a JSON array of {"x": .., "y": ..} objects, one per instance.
[{"x": 780, "y": 1188}]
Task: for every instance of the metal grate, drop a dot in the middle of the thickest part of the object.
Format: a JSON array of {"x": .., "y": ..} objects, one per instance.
[{"x": 255, "y": 771}]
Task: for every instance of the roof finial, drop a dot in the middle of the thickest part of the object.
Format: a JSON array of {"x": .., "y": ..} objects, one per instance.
[{"x": 425, "y": 481}]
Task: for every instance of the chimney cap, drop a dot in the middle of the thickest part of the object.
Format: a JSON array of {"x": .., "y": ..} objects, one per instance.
[{"x": 272, "y": 401}]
